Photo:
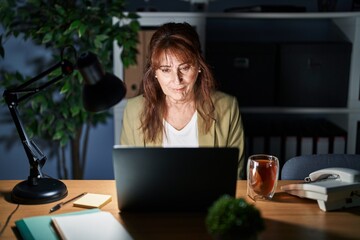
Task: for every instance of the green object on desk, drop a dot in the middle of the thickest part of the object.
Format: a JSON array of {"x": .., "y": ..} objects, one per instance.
[
  {"x": 40, "y": 227},
  {"x": 234, "y": 218}
]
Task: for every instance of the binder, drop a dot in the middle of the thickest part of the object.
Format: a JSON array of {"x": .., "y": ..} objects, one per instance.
[
  {"x": 259, "y": 145},
  {"x": 322, "y": 145},
  {"x": 339, "y": 145},
  {"x": 275, "y": 146},
  {"x": 290, "y": 147},
  {"x": 306, "y": 146}
]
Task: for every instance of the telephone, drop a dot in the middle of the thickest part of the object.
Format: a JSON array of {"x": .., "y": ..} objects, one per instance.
[
  {"x": 344, "y": 174},
  {"x": 333, "y": 188}
]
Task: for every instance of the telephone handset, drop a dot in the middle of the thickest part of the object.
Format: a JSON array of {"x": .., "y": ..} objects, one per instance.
[
  {"x": 333, "y": 188},
  {"x": 343, "y": 174}
]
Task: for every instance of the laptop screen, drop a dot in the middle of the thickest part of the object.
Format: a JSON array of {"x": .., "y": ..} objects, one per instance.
[{"x": 173, "y": 179}]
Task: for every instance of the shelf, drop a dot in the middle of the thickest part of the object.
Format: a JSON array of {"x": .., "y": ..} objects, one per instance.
[
  {"x": 298, "y": 110},
  {"x": 304, "y": 15},
  {"x": 254, "y": 15}
]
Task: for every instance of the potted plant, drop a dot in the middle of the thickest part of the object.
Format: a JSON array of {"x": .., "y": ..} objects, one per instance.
[
  {"x": 234, "y": 218},
  {"x": 87, "y": 26}
]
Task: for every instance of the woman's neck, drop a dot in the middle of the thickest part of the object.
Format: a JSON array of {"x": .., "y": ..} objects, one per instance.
[{"x": 179, "y": 113}]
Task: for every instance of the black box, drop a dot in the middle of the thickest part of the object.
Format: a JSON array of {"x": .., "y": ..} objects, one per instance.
[
  {"x": 314, "y": 74},
  {"x": 245, "y": 70}
]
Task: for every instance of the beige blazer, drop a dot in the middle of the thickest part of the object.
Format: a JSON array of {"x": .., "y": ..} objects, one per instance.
[{"x": 226, "y": 129}]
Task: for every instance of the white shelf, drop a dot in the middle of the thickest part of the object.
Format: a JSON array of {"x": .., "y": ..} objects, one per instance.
[
  {"x": 146, "y": 17},
  {"x": 305, "y": 15},
  {"x": 299, "y": 110}
]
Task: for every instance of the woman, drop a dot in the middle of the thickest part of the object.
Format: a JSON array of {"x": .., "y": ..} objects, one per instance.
[{"x": 179, "y": 105}]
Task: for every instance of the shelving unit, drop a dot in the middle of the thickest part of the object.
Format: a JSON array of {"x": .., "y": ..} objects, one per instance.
[{"x": 348, "y": 22}]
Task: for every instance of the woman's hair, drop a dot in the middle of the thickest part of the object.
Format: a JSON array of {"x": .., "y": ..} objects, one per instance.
[{"x": 182, "y": 41}]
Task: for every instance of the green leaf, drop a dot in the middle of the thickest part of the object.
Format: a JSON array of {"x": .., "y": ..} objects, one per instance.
[
  {"x": 71, "y": 126},
  {"x": 74, "y": 25},
  {"x": 60, "y": 10},
  {"x": 58, "y": 135},
  {"x": 81, "y": 30},
  {"x": 47, "y": 38},
  {"x": 75, "y": 109},
  {"x": 65, "y": 88},
  {"x": 64, "y": 142}
]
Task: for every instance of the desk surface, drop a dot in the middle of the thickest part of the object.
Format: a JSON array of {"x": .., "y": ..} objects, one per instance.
[{"x": 286, "y": 216}]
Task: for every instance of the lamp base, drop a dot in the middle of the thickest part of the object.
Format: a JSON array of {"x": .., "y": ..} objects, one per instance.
[{"x": 47, "y": 190}]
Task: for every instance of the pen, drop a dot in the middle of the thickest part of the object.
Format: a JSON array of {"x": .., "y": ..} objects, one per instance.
[{"x": 59, "y": 205}]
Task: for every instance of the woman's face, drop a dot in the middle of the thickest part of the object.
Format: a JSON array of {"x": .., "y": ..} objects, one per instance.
[{"x": 177, "y": 79}]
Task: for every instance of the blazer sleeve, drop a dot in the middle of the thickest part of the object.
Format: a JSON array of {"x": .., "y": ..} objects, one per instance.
[
  {"x": 130, "y": 133},
  {"x": 236, "y": 136},
  {"x": 126, "y": 137}
]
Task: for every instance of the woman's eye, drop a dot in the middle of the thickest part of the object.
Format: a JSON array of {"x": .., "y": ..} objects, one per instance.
[
  {"x": 185, "y": 68},
  {"x": 165, "y": 70}
]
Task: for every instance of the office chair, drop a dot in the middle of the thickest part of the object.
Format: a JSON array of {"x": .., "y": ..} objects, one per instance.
[{"x": 297, "y": 168}]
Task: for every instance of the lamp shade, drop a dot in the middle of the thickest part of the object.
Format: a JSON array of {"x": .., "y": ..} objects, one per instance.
[{"x": 101, "y": 90}]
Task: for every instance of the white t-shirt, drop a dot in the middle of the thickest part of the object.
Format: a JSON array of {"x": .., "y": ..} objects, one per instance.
[{"x": 186, "y": 137}]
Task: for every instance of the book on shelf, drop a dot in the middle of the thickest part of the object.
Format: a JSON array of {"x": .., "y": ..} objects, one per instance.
[
  {"x": 306, "y": 145},
  {"x": 258, "y": 144},
  {"x": 290, "y": 147},
  {"x": 339, "y": 144},
  {"x": 322, "y": 145},
  {"x": 275, "y": 145}
]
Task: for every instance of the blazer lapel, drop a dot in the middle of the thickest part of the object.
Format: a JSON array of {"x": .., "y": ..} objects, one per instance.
[{"x": 208, "y": 139}]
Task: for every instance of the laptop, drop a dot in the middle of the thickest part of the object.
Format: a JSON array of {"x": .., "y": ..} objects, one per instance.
[{"x": 173, "y": 179}]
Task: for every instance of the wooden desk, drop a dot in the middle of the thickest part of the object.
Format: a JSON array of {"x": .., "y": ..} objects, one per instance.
[{"x": 286, "y": 217}]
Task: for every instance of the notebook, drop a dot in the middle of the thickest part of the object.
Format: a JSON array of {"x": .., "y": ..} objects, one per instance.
[
  {"x": 97, "y": 225},
  {"x": 173, "y": 179}
]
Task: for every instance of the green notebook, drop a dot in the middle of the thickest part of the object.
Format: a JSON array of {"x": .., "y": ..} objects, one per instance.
[{"x": 40, "y": 227}]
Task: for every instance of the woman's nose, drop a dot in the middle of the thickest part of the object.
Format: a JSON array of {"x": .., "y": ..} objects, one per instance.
[{"x": 179, "y": 77}]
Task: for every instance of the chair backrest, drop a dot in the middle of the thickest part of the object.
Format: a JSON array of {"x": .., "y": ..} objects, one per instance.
[{"x": 297, "y": 168}]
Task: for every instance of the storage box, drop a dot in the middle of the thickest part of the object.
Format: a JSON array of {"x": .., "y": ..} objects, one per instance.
[
  {"x": 313, "y": 75},
  {"x": 245, "y": 70}
]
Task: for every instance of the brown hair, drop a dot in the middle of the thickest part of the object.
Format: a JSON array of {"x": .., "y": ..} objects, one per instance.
[{"x": 182, "y": 41}]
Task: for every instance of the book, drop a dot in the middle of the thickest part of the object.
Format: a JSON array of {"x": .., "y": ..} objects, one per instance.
[
  {"x": 275, "y": 146},
  {"x": 339, "y": 145},
  {"x": 306, "y": 146},
  {"x": 290, "y": 147},
  {"x": 92, "y": 200},
  {"x": 97, "y": 225},
  {"x": 322, "y": 145},
  {"x": 40, "y": 227},
  {"x": 258, "y": 144}
]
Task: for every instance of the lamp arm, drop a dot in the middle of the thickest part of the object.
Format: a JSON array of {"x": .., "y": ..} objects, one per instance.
[
  {"x": 36, "y": 158},
  {"x": 66, "y": 67}
]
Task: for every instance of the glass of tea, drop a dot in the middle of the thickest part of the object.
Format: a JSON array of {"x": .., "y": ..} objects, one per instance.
[{"x": 262, "y": 176}]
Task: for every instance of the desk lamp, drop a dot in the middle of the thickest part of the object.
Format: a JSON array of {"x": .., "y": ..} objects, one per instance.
[{"x": 100, "y": 91}]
